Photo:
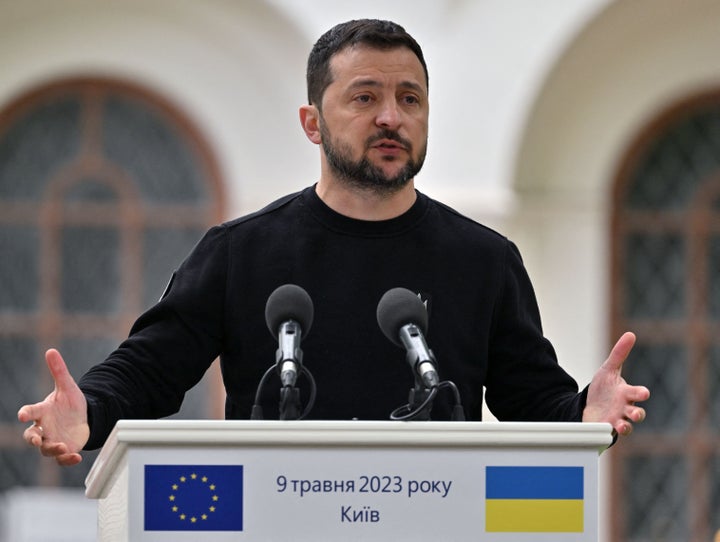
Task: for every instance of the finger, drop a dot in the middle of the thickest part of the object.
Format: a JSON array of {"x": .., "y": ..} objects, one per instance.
[
  {"x": 637, "y": 394},
  {"x": 623, "y": 427},
  {"x": 29, "y": 413},
  {"x": 58, "y": 370},
  {"x": 33, "y": 435},
  {"x": 68, "y": 460},
  {"x": 635, "y": 414},
  {"x": 620, "y": 352},
  {"x": 53, "y": 449}
]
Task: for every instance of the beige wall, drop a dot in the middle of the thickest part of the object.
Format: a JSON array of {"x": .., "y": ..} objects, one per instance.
[{"x": 533, "y": 104}]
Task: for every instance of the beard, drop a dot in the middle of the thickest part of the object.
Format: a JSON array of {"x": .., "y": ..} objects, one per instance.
[{"x": 362, "y": 174}]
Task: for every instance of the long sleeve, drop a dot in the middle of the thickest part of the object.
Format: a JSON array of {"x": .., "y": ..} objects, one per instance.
[
  {"x": 524, "y": 380},
  {"x": 169, "y": 347}
]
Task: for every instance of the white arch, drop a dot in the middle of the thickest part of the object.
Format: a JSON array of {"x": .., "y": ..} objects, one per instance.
[
  {"x": 632, "y": 61},
  {"x": 629, "y": 63},
  {"x": 235, "y": 68}
]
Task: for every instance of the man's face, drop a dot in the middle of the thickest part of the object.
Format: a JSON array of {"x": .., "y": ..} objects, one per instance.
[{"x": 374, "y": 118}]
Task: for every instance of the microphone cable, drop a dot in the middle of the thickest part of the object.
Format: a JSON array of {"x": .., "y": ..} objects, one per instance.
[
  {"x": 257, "y": 411},
  {"x": 406, "y": 412}
]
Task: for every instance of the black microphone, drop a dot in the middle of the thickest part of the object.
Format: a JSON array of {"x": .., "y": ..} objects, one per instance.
[
  {"x": 289, "y": 314},
  {"x": 403, "y": 319}
]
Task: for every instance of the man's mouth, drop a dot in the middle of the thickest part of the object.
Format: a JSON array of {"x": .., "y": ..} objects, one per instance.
[{"x": 388, "y": 145}]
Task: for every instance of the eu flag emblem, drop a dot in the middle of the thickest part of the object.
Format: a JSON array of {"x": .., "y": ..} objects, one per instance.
[
  {"x": 534, "y": 499},
  {"x": 193, "y": 497}
]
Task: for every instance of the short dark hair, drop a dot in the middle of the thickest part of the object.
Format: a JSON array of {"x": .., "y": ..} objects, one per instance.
[{"x": 371, "y": 32}]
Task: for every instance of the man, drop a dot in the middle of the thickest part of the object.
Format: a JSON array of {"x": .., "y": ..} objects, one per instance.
[{"x": 360, "y": 231}]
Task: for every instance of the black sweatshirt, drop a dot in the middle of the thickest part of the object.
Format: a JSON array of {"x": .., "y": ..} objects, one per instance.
[{"x": 484, "y": 325}]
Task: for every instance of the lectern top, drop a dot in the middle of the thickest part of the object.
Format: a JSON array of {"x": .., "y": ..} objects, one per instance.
[{"x": 376, "y": 434}]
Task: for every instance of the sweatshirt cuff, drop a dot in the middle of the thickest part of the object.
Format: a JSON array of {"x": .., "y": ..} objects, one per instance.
[{"x": 97, "y": 424}]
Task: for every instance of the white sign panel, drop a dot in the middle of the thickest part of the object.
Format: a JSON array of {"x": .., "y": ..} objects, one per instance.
[{"x": 362, "y": 493}]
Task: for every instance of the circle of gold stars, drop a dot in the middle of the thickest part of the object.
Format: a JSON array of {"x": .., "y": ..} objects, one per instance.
[{"x": 183, "y": 514}]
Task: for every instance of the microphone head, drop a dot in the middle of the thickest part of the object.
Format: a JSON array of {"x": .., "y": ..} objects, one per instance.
[
  {"x": 397, "y": 308},
  {"x": 289, "y": 302}
]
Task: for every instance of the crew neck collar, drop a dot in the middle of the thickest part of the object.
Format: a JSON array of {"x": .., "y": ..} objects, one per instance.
[{"x": 369, "y": 228}]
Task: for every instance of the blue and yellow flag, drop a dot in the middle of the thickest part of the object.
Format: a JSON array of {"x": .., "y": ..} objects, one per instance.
[
  {"x": 534, "y": 499},
  {"x": 193, "y": 497}
]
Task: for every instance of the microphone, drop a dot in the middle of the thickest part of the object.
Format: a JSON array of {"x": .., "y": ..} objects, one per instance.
[
  {"x": 289, "y": 314},
  {"x": 403, "y": 319}
]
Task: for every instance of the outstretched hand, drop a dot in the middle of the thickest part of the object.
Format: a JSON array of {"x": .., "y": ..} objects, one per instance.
[
  {"x": 60, "y": 427},
  {"x": 612, "y": 400}
]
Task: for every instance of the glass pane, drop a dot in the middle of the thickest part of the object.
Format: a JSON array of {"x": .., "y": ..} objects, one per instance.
[
  {"x": 661, "y": 179},
  {"x": 19, "y": 268},
  {"x": 19, "y": 468},
  {"x": 21, "y": 365},
  {"x": 714, "y": 387},
  {"x": 663, "y": 369},
  {"x": 656, "y": 490},
  {"x": 152, "y": 152},
  {"x": 655, "y": 276},
  {"x": 715, "y": 495},
  {"x": 81, "y": 353},
  {"x": 713, "y": 268},
  {"x": 37, "y": 144},
  {"x": 90, "y": 270},
  {"x": 90, "y": 190},
  {"x": 164, "y": 250},
  {"x": 674, "y": 164}
]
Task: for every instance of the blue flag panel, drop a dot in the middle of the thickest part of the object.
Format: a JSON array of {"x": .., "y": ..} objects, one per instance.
[
  {"x": 193, "y": 497},
  {"x": 534, "y": 483}
]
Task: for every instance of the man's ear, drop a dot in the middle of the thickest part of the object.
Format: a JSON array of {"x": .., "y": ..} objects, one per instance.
[{"x": 310, "y": 121}]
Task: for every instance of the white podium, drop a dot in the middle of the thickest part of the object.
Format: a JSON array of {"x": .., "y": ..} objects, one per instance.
[{"x": 348, "y": 481}]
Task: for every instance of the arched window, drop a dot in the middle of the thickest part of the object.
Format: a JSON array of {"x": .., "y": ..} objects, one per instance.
[
  {"x": 666, "y": 284},
  {"x": 104, "y": 189}
]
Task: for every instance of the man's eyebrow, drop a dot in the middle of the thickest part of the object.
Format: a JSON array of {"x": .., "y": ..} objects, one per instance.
[
  {"x": 360, "y": 83},
  {"x": 413, "y": 86}
]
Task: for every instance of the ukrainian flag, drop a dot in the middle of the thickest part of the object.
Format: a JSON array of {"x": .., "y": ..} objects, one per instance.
[
  {"x": 534, "y": 499},
  {"x": 193, "y": 497}
]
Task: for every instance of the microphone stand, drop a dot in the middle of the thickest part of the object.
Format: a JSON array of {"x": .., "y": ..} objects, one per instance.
[
  {"x": 289, "y": 406},
  {"x": 420, "y": 399}
]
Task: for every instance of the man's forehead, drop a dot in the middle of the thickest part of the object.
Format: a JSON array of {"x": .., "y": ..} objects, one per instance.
[{"x": 358, "y": 62}]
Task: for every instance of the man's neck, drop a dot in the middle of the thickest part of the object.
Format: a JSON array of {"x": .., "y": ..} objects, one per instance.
[{"x": 365, "y": 204}]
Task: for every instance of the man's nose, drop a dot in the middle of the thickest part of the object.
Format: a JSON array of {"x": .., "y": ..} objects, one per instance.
[{"x": 389, "y": 115}]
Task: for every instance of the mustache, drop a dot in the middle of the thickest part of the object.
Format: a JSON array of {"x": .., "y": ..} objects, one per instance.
[{"x": 391, "y": 135}]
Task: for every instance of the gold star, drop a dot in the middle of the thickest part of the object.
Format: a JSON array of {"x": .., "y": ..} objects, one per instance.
[
  {"x": 193, "y": 476},
  {"x": 175, "y": 486},
  {"x": 204, "y": 479},
  {"x": 204, "y": 516},
  {"x": 212, "y": 487},
  {"x": 215, "y": 497},
  {"x": 182, "y": 478},
  {"x": 212, "y": 508},
  {"x": 174, "y": 508},
  {"x": 172, "y": 497},
  {"x": 182, "y": 516},
  {"x": 193, "y": 519}
]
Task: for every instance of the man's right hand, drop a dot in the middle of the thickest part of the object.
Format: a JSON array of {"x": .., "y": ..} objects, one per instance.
[{"x": 60, "y": 427}]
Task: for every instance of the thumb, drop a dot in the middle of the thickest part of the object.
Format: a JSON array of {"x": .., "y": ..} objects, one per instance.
[
  {"x": 59, "y": 371},
  {"x": 620, "y": 352}
]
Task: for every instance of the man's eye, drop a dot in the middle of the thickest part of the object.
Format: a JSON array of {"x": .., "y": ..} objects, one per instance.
[
  {"x": 363, "y": 98},
  {"x": 411, "y": 100}
]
